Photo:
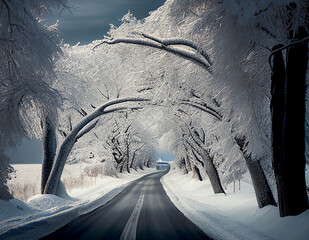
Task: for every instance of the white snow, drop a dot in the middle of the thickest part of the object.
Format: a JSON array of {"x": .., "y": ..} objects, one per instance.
[
  {"x": 225, "y": 217},
  {"x": 234, "y": 215},
  {"x": 43, "y": 214}
]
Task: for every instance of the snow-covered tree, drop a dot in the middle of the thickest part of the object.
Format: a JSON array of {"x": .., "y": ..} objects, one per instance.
[
  {"x": 242, "y": 35},
  {"x": 27, "y": 52},
  {"x": 86, "y": 79},
  {"x": 52, "y": 183}
]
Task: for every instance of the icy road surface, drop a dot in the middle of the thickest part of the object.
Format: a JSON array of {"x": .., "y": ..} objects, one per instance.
[{"x": 141, "y": 211}]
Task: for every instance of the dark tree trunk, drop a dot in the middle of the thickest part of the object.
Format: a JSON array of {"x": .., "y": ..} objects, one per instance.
[
  {"x": 132, "y": 161},
  {"x": 183, "y": 165},
  {"x": 127, "y": 156},
  {"x": 127, "y": 166},
  {"x": 141, "y": 166},
  {"x": 188, "y": 165},
  {"x": 49, "y": 151},
  {"x": 263, "y": 193},
  {"x": 148, "y": 163},
  {"x": 294, "y": 129},
  {"x": 208, "y": 164},
  {"x": 212, "y": 173},
  {"x": 121, "y": 167},
  {"x": 288, "y": 116},
  {"x": 196, "y": 173},
  {"x": 278, "y": 106}
]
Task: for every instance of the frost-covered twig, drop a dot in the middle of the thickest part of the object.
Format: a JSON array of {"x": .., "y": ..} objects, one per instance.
[
  {"x": 144, "y": 143},
  {"x": 139, "y": 148},
  {"x": 204, "y": 108}
]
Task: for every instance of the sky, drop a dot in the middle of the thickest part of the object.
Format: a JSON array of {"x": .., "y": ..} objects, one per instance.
[
  {"x": 164, "y": 155},
  {"x": 90, "y": 19},
  {"x": 87, "y": 20}
]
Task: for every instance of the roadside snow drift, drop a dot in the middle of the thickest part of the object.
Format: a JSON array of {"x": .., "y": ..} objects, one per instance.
[
  {"x": 233, "y": 216},
  {"x": 43, "y": 214}
]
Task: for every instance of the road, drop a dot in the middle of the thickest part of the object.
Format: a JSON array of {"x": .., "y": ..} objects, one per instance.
[{"x": 141, "y": 211}]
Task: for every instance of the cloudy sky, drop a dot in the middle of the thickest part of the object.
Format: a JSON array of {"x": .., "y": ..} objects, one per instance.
[{"x": 88, "y": 20}]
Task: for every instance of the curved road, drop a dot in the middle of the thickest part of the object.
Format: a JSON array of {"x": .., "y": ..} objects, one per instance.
[{"x": 141, "y": 211}]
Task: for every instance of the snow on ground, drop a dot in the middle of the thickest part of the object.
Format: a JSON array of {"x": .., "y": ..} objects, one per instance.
[
  {"x": 42, "y": 214},
  {"x": 232, "y": 216}
]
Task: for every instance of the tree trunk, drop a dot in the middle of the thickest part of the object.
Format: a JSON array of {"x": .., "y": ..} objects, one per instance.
[
  {"x": 196, "y": 173},
  {"x": 127, "y": 166},
  {"x": 263, "y": 193},
  {"x": 49, "y": 151},
  {"x": 127, "y": 156},
  {"x": 188, "y": 165},
  {"x": 132, "y": 161},
  {"x": 294, "y": 130},
  {"x": 183, "y": 165},
  {"x": 121, "y": 168},
  {"x": 148, "y": 163},
  {"x": 209, "y": 166},
  {"x": 141, "y": 166},
  {"x": 212, "y": 173},
  {"x": 290, "y": 163},
  {"x": 278, "y": 107}
]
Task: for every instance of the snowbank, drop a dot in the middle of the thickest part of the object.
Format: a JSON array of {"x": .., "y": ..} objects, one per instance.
[
  {"x": 43, "y": 214},
  {"x": 232, "y": 216}
]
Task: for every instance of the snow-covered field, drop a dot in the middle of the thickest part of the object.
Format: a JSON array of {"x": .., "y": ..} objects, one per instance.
[
  {"x": 42, "y": 214},
  {"x": 232, "y": 216}
]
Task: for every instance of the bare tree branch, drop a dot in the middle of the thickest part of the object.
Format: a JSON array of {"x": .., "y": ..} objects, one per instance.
[
  {"x": 84, "y": 113},
  {"x": 106, "y": 96}
]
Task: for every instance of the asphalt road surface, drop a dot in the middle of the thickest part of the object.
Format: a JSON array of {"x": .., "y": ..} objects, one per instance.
[{"x": 141, "y": 211}]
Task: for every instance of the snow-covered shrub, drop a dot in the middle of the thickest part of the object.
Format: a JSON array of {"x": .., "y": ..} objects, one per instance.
[
  {"x": 100, "y": 170},
  {"x": 23, "y": 190},
  {"x": 71, "y": 183}
]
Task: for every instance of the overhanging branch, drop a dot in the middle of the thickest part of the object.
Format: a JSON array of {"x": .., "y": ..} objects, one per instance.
[
  {"x": 303, "y": 40},
  {"x": 178, "y": 41},
  {"x": 200, "y": 57}
]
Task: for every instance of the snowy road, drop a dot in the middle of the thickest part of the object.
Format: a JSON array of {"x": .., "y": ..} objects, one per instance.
[{"x": 141, "y": 211}]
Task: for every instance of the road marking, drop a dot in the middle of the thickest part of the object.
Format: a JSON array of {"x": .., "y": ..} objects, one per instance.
[{"x": 129, "y": 232}]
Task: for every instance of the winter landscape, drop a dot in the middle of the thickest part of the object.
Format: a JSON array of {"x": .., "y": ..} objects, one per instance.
[{"x": 187, "y": 122}]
